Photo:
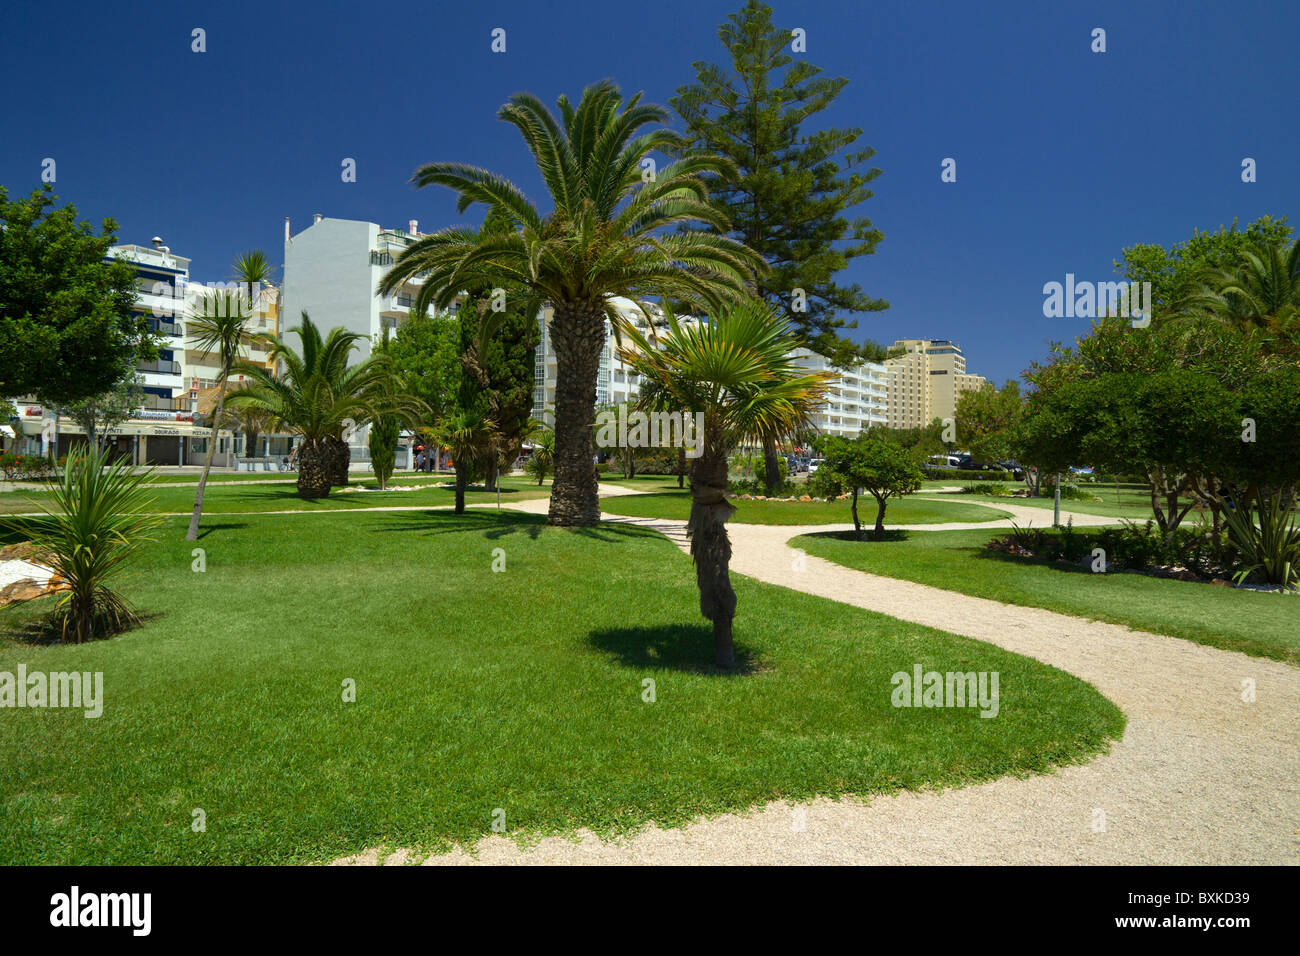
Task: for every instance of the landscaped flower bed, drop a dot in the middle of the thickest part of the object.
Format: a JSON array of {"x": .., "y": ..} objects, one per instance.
[{"x": 1185, "y": 555}]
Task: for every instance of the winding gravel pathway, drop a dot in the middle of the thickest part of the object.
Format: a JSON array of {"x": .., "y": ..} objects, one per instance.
[{"x": 1201, "y": 776}]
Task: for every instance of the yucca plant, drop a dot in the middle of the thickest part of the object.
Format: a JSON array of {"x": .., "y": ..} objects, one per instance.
[
  {"x": 1271, "y": 547},
  {"x": 737, "y": 371},
  {"x": 97, "y": 523}
]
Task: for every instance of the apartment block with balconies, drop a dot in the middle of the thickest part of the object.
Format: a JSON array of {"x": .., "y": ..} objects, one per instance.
[
  {"x": 162, "y": 281},
  {"x": 856, "y": 399}
]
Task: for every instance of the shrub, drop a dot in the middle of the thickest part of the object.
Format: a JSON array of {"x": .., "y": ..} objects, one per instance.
[
  {"x": 987, "y": 488},
  {"x": 934, "y": 474}
]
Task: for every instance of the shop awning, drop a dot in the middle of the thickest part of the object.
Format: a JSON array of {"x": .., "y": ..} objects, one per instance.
[{"x": 7, "y": 431}]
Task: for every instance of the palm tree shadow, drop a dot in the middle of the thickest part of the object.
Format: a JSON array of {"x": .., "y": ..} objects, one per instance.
[
  {"x": 207, "y": 529},
  {"x": 685, "y": 648},
  {"x": 492, "y": 524},
  {"x": 865, "y": 535}
]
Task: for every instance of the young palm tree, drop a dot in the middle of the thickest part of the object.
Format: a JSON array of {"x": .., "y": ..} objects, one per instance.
[
  {"x": 220, "y": 328},
  {"x": 542, "y": 459},
  {"x": 603, "y": 238},
  {"x": 319, "y": 394},
  {"x": 736, "y": 370},
  {"x": 473, "y": 440},
  {"x": 99, "y": 521}
]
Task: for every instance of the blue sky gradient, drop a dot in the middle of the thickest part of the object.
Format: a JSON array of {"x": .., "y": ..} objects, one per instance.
[{"x": 1064, "y": 157}]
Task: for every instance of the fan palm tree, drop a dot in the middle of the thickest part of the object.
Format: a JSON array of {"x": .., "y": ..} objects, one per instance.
[
  {"x": 603, "y": 238},
  {"x": 1260, "y": 295},
  {"x": 219, "y": 327},
  {"x": 736, "y": 370},
  {"x": 474, "y": 442},
  {"x": 319, "y": 395}
]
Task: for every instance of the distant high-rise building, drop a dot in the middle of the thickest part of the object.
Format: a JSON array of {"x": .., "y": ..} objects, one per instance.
[{"x": 926, "y": 377}]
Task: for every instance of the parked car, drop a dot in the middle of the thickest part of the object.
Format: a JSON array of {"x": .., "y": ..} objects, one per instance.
[
  {"x": 812, "y": 465},
  {"x": 1014, "y": 468}
]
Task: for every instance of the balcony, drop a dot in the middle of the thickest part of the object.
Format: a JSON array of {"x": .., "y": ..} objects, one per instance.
[{"x": 160, "y": 366}]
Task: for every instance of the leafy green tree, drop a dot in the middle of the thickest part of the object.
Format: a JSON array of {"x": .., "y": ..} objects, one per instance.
[
  {"x": 98, "y": 522},
  {"x": 425, "y": 353},
  {"x": 603, "y": 238},
  {"x": 986, "y": 418},
  {"x": 1178, "y": 275},
  {"x": 873, "y": 463},
  {"x": 736, "y": 370},
  {"x": 319, "y": 394},
  {"x": 100, "y": 414},
  {"x": 796, "y": 184},
  {"x": 220, "y": 328},
  {"x": 67, "y": 328}
]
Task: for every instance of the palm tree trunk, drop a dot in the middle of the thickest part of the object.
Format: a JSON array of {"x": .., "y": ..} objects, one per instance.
[
  {"x": 711, "y": 547},
  {"x": 771, "y": 467},
  {"x": 314, "y": 469},
  {"x": 578, "y": 333},
  {"x": 340, "y": 457},
  {"x": 681, "y": 466},
  {"x": 193, "y": 533},
  {"x": 462, "y": 479}
]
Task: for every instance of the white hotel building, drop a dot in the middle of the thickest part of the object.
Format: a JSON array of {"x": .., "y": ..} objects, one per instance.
[{"x": 856, "y": 398}]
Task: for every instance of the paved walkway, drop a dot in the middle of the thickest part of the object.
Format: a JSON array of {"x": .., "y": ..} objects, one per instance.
[{"x": 1201, "y": 776}]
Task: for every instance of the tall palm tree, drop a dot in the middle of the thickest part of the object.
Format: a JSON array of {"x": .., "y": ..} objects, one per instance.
[
  {"x": 736, "y": 370},
  {"x": 319, "y": 395},
  {"x": 603, "y": 238},
  {"x": 220, "y": 328},
  {"x": 1261, "y": 294}
]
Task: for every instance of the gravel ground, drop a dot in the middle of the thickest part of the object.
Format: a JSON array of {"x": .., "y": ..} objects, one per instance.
[{"x": 1201, "y": 776}]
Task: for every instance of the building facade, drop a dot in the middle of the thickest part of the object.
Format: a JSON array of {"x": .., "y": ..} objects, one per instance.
[
  {"x": 332, "y": 271},
  {"x": 925, "y": 379},
  {"x": 856, "y": 398}
]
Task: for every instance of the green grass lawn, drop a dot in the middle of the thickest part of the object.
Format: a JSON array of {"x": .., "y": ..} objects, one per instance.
[
  {"x": 677, "y": 504},
  {"x": 477, "y": 690},
  {"x": 246, "y": 498},
  {"x": 1121, "y": 502},
  {"x": 1254, "y": 623},
  {"x": 399, "y": 477}
]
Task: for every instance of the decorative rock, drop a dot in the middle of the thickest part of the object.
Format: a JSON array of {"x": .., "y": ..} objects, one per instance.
[{"x": 805, "y": 498}]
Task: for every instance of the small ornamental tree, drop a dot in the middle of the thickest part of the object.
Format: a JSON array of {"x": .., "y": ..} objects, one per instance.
[{"x": 874, "y": 464}]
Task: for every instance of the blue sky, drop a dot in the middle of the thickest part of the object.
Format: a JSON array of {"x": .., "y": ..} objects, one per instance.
[{"x": 1064, "y": 156}]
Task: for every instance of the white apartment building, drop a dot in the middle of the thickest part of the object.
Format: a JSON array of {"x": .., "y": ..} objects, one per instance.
[
  {"x": 616, "y": 382},
  {"x": 856, "y": 399},
  {"x": 926, "y": 377},
  {"x": 332, "y": 270}
]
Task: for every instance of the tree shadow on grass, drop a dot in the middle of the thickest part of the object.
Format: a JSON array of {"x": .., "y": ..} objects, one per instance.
[
  {"x": 207, "y": 529},
  {"x": 862, "y": 537},
  {"x": 686, "y": 647},
  {"x": 494, "y": 525},
  {"x": 1068, "y": 567}
]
